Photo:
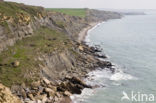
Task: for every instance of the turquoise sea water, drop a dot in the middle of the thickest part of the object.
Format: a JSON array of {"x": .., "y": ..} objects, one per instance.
[{"x": 130, "y": 43}]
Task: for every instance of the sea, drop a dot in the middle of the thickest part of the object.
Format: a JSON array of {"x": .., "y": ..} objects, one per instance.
[{"x": 130, "y": 44}]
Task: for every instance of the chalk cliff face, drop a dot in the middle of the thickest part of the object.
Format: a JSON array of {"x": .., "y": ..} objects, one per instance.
[{"x": 40, "y": 58}]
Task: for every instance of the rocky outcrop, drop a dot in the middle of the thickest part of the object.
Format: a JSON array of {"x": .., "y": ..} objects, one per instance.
[
  {"x": 6, "y": 96},
  {"x": 45, "y": 91},
  {"x": 62, "y": 74}
]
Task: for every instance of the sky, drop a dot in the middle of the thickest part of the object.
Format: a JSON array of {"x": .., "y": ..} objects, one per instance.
[{"x": 109, "y": 4}]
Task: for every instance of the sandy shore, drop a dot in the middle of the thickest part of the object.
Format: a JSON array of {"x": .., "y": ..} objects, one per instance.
[{"x": 83, "y": 33}]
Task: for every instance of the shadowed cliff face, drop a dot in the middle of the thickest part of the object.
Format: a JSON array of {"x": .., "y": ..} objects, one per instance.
[{"x": 36, "y": 44}]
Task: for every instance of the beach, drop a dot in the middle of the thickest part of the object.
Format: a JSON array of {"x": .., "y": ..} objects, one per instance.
[{"x": 83, "y": 33}]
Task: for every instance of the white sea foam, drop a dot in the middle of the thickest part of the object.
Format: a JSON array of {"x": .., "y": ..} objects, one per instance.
[
  {"x": 101, "y": 77},
  {"x": 98, "y": 77},
  {"x": 121, "y": 76},
  {"x": 84, "y": 95}
]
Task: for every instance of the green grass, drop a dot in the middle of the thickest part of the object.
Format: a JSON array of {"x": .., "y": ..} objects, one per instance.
[
  {"x": 12, "y": 9},
  {"x": 71, "y": 12},
  {"x": 60, "y": 24},
  {"x": 16, "y": 13},
  {"x": 26, "y": 51}
]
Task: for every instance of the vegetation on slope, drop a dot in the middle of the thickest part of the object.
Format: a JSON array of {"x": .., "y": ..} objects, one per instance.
[
  {"x": 12, "y": 9},
  {"x": 26, "y": 52},
  {"x": 15, "y": 13},
  {"x": 71, "y": 12},
  {"x": 43, "y": 41}
]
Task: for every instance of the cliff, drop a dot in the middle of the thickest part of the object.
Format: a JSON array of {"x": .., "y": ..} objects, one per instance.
[
  {"x": 40, "y": 58},
  {"x": 99, "y": 15}
]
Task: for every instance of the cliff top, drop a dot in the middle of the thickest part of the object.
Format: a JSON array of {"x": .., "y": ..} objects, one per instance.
[
  {"x": 18, "y": 13},
  {"x": 12, "y": 8},
  {"x": 69, "y": 11}
]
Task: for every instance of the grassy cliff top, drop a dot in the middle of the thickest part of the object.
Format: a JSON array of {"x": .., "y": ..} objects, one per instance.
[
  {"x": 68, "y": 11},
  {"x": 12, "y": 8},
  {"x": 18, "y": 13}
]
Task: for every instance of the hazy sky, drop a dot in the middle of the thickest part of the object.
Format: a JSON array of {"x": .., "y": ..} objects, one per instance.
[{"x": 113, "y": 4}]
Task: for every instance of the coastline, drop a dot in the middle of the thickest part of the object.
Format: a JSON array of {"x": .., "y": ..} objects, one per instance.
[
  {"x": 81, "y": 38},
  {"x": 83, "y": 33},
  {"x": 59, "y": 64}
]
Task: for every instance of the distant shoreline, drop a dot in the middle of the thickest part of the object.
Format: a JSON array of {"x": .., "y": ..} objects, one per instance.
[{"x": 83, "y": 33}]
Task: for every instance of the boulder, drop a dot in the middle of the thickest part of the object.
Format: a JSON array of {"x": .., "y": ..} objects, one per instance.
[
  {"x": 73, "y": 88},
  {"x": 76, "y": 80},
  {"x": 54, "y": 88},
  {"x": 100, "y": 55},
  {"x": 6, "y": 96},
  {"x": 40, "y": 89},
  {"x": 43, "y": 98},
  {"x": 36, "y": 84},
  {"x": 56, "y": 99},
  {"x": 23, "y": 93},
  {"x": 73, "y": 85},
  {"x": 16, "y": 63},
  {"x": 67, "y": 93},
  {"x": 50, "y": 92},
  {"x": 81, "y": 48},
  {"x": 31, "y": 96},
  {"x": 66, "y": 100},
  {"x": 58, "y": 94},
  {"x": 46, "y": 81}
]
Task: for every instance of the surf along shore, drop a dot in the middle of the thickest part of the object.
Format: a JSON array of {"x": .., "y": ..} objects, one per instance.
[
  {"x": 94, "y": 51},
  {"x": 81, "y": 39}
]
